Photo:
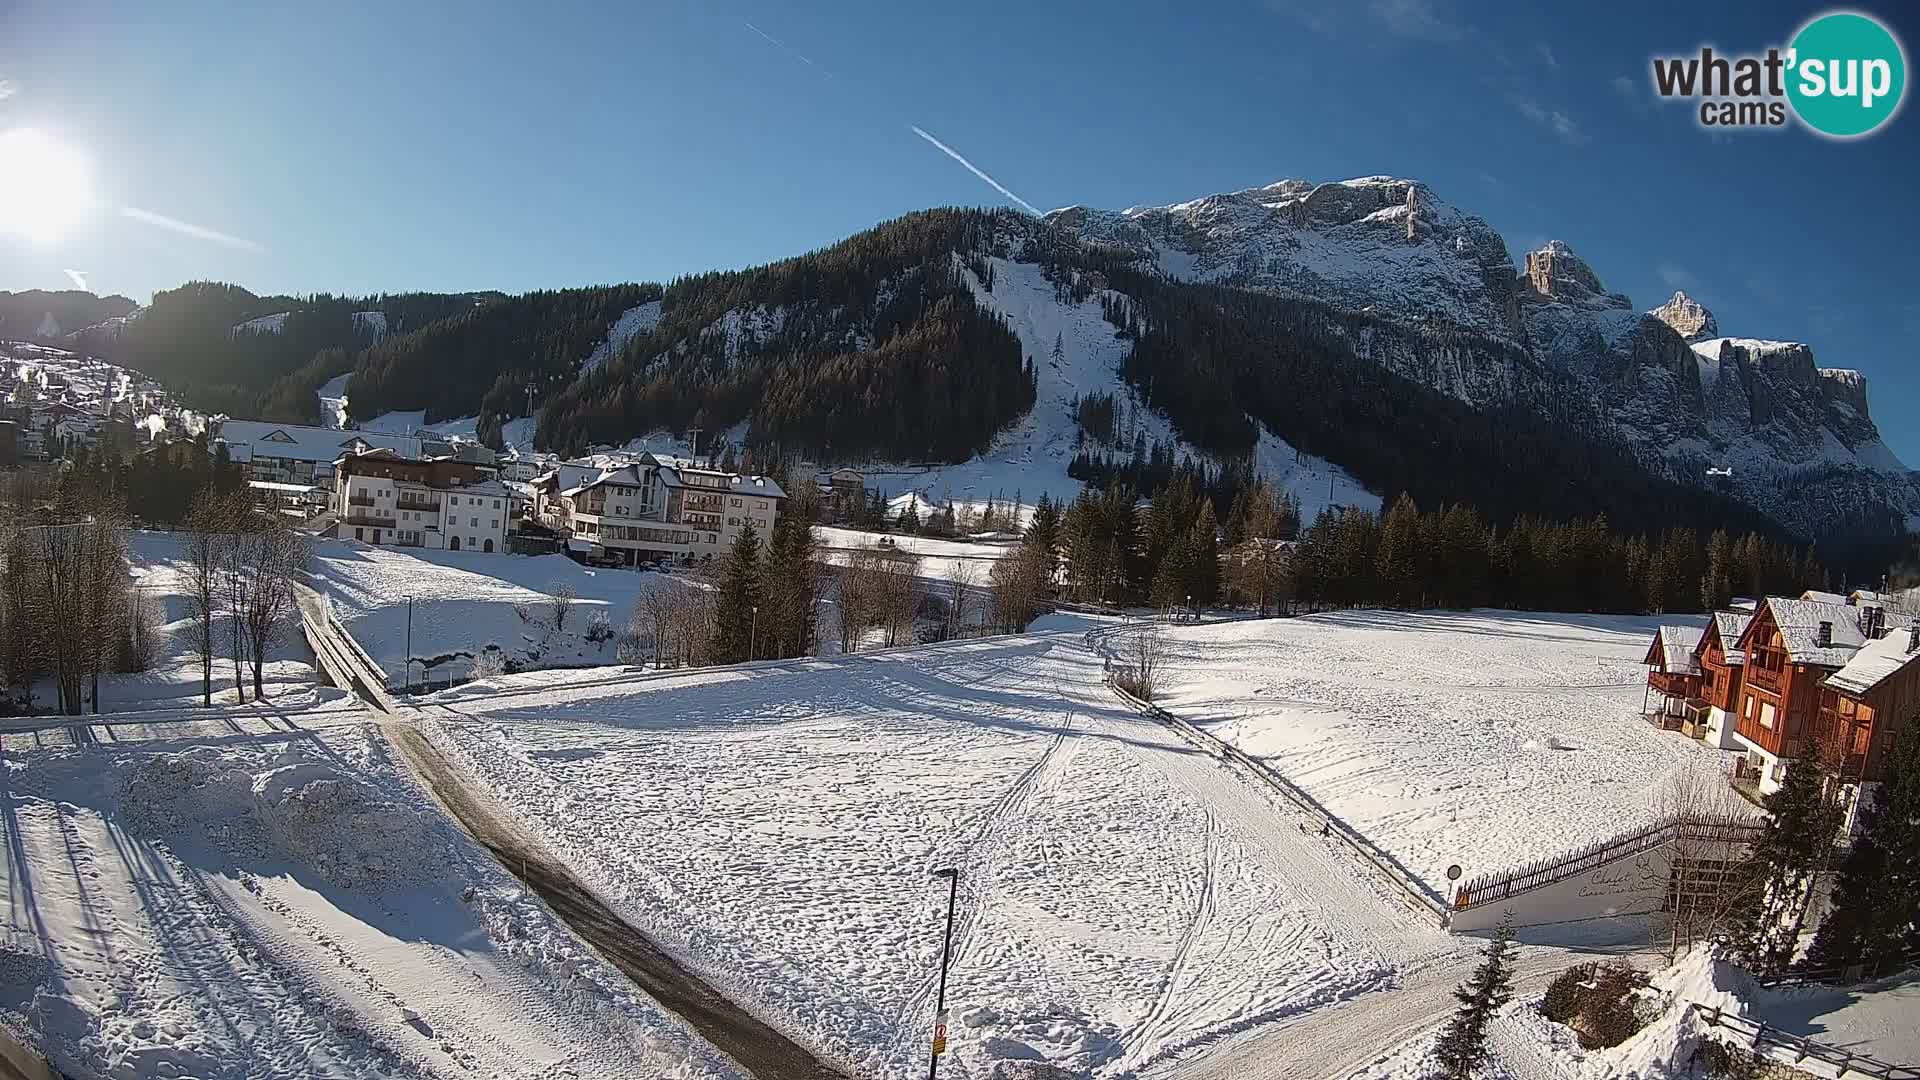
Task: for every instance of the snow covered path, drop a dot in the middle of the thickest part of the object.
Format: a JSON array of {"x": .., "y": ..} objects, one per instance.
[{"x": 1128, "y": 904}]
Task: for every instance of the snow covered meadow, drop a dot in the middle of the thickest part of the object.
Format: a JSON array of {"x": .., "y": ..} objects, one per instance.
[
  {"x": 1482, "y": 738},
  {"x": 247, "y": 898},
  {"x": 1124, "y": 899},
  {"x": 463, "y": 602}
]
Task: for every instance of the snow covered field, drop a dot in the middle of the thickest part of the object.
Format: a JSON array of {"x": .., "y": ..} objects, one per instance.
[
  {"x": 1444, "y": 737},
  {"x": 1125, "y": 900},
  {"x": 940, "y": 560},
  {"x": 464, "y": 601},
  {"x": 155, "y": 562},
  {"x": 234, "y": 901}
]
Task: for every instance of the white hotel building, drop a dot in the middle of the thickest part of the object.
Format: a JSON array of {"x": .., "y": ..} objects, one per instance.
[{"x": 660, "y": 508}]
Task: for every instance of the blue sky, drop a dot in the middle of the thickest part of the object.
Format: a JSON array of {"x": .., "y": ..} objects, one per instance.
[{"x": 369, "y": 147}]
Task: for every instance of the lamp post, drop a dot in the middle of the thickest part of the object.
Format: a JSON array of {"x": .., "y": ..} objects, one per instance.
[
  {"x": 952, "y": 875},
  {"x": 1191, "y": 614},
  {"x": 753, "y": 634},
  {"x": 409, "y": 642}
]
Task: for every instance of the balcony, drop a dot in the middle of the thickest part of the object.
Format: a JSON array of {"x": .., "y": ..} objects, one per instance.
[
  {"x": 1674, "y": 684},
  {"x": 1764, "y": 678},
  {"x": 430, "y": 505},
  {"x": 373, "y": 520},
  {"x": 359, "y": 500}
]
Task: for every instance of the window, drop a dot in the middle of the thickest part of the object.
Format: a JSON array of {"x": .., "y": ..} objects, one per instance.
[
  {"x": 735, "y": 502},
  {"x": 471, "y": 541},
  {"x": 1766, "y": 716},
  {"x": 494, "y": 524},
  {"x": 473, "y": 522},
  {"x": 496, "y": 504}
]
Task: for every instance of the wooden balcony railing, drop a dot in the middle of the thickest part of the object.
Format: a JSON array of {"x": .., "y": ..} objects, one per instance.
[{"x": 1765, "y": 678}]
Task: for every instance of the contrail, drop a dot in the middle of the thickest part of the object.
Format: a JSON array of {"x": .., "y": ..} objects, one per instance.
[
  {"x": 975, "y": 170},
  {"x": 78, "y": 277},
  {"x": 777, "y": 43},
  {"x": 198, "y": 232}
]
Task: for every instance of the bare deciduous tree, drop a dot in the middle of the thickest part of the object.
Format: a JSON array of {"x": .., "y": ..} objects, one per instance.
[
  {"x": 1710, "y": 883},
  {"x": 1143, "y": 651},
  {"x": 1019, "y": 584},
  {"x": 269, "y": 560},
  {"x": 963, "y": 597},
  {"x": 560, "y": 602},
  {"x": 205, "y": 554}
]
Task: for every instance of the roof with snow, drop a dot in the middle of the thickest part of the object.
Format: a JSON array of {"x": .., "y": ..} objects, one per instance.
[
  {"x": 1673, "y": 649},
  {"x": 297, "y": 442},
  {"x": 1799, "y": 622},
  {"x": 1876, "y": 662},
  {"x": 1728, "y": 626},
  {"x": 1823, "y": 597}
]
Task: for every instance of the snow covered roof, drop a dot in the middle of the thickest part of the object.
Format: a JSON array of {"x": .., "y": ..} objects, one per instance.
[
  {"x": 1819, "y": 597},
  {"x": 1673, "y": 646},
  {"x": 297, "y": 442},
  {"x": 1728, "y": 626},
  {"x": 1799, "y": 622},
  {"x": 1876, "y": 662},
  {"x": 674, "y": 473}
]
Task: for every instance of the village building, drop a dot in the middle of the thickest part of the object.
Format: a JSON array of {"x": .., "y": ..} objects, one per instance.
[
  {"x": 1722, "y": 663},
  {"x": 1791, "y": 647},
  {"x": 659, "y": 508},
  {"x": 1673, "y": 675},
  {"x": 382, "y": 497},
  {"x": 1861, "y": 708}
]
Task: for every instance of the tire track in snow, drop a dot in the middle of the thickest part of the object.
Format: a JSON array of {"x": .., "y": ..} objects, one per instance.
[
  {"x": 1007, "y": 815},
  {"x": 1145, "y": 1035}
]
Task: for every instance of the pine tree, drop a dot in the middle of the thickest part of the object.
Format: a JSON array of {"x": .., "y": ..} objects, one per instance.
[
  {"x": 1043, "y": 529},
  {"x": 1790, "y": 852},
  {"x": 1716, "y": 587},
  {"x": 1876, "y": 905},
  {"x": 1203, "y": 567},
  {"x": 909, "y": 522},
  {"x": 734, "y": 616},
  {"x": 1462, "y": 1048},
  {"x": 1397, "y": 564}
]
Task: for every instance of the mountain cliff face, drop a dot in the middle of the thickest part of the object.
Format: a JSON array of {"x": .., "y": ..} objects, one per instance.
[{"x": 1799, "y": 439}]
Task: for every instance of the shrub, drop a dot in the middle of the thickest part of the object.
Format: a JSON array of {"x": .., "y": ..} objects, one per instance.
[
  {"x": 491, "y": 662},
  {"x": 599, "y": 628},
  {"x": 1600, "y": 1002}
]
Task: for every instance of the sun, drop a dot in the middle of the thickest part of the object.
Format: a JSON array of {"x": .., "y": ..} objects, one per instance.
[{"x": 45, "y": 186}]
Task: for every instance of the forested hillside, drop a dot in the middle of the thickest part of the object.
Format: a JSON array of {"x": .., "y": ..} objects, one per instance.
[
  {"x": 223, "y": 349},
  {"x": 24, "y": 315},
  {"x": 874, "y": 346}
]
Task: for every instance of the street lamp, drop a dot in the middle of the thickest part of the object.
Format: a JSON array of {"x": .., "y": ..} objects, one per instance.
[
  {"x": 1190, "y": 612},
  {"x": 952, "y": 875},
  {"x": 753, "y": 634},
  {"x": 409, "y": 642}
]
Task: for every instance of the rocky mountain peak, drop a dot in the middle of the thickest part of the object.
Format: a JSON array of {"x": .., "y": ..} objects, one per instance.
[
  {"x": 1688, "y": 318},
  {"x": 1554, "y": 273}
]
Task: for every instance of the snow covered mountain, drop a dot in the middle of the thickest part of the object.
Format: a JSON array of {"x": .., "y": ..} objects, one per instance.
[{"x": 1799, "y": 439}]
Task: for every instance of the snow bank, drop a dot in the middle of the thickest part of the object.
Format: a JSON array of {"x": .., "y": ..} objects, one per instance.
[{"x": 302, "y": 810}]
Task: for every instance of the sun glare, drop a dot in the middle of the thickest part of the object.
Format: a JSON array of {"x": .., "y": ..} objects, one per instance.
[{"x": 45, "y": 187}]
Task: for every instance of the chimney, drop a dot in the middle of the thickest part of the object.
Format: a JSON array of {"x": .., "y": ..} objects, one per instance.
[
  {"x": 1913, "y": 636},
  {"x": 1824, "y": 638}
]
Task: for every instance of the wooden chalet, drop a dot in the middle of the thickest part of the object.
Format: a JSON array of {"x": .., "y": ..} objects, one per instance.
[
  {"x": 1862, "y": 705},
  {"x": 1791, "y": 646},
  {"x": 1722, "y": 664},
  {"x": 1673, "y": 676}
]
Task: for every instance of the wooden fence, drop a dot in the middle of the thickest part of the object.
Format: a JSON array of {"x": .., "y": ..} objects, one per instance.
[
  {"x": 1763, "y": 1037},
  {"x": 1493, "y": 888}
]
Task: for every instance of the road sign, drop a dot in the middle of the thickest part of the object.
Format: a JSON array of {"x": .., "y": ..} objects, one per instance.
[
  {"x": 939, "y": 1039},
  {"x": 1453, "y": 872}
]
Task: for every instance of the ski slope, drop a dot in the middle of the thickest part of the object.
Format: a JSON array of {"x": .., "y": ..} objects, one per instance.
[
  {"x": 1031, "y": 457},
  {"x": 229, "y": 898},
  {"x": 1444, "y": 737},
  {"x": 1125, "y": 900}
]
